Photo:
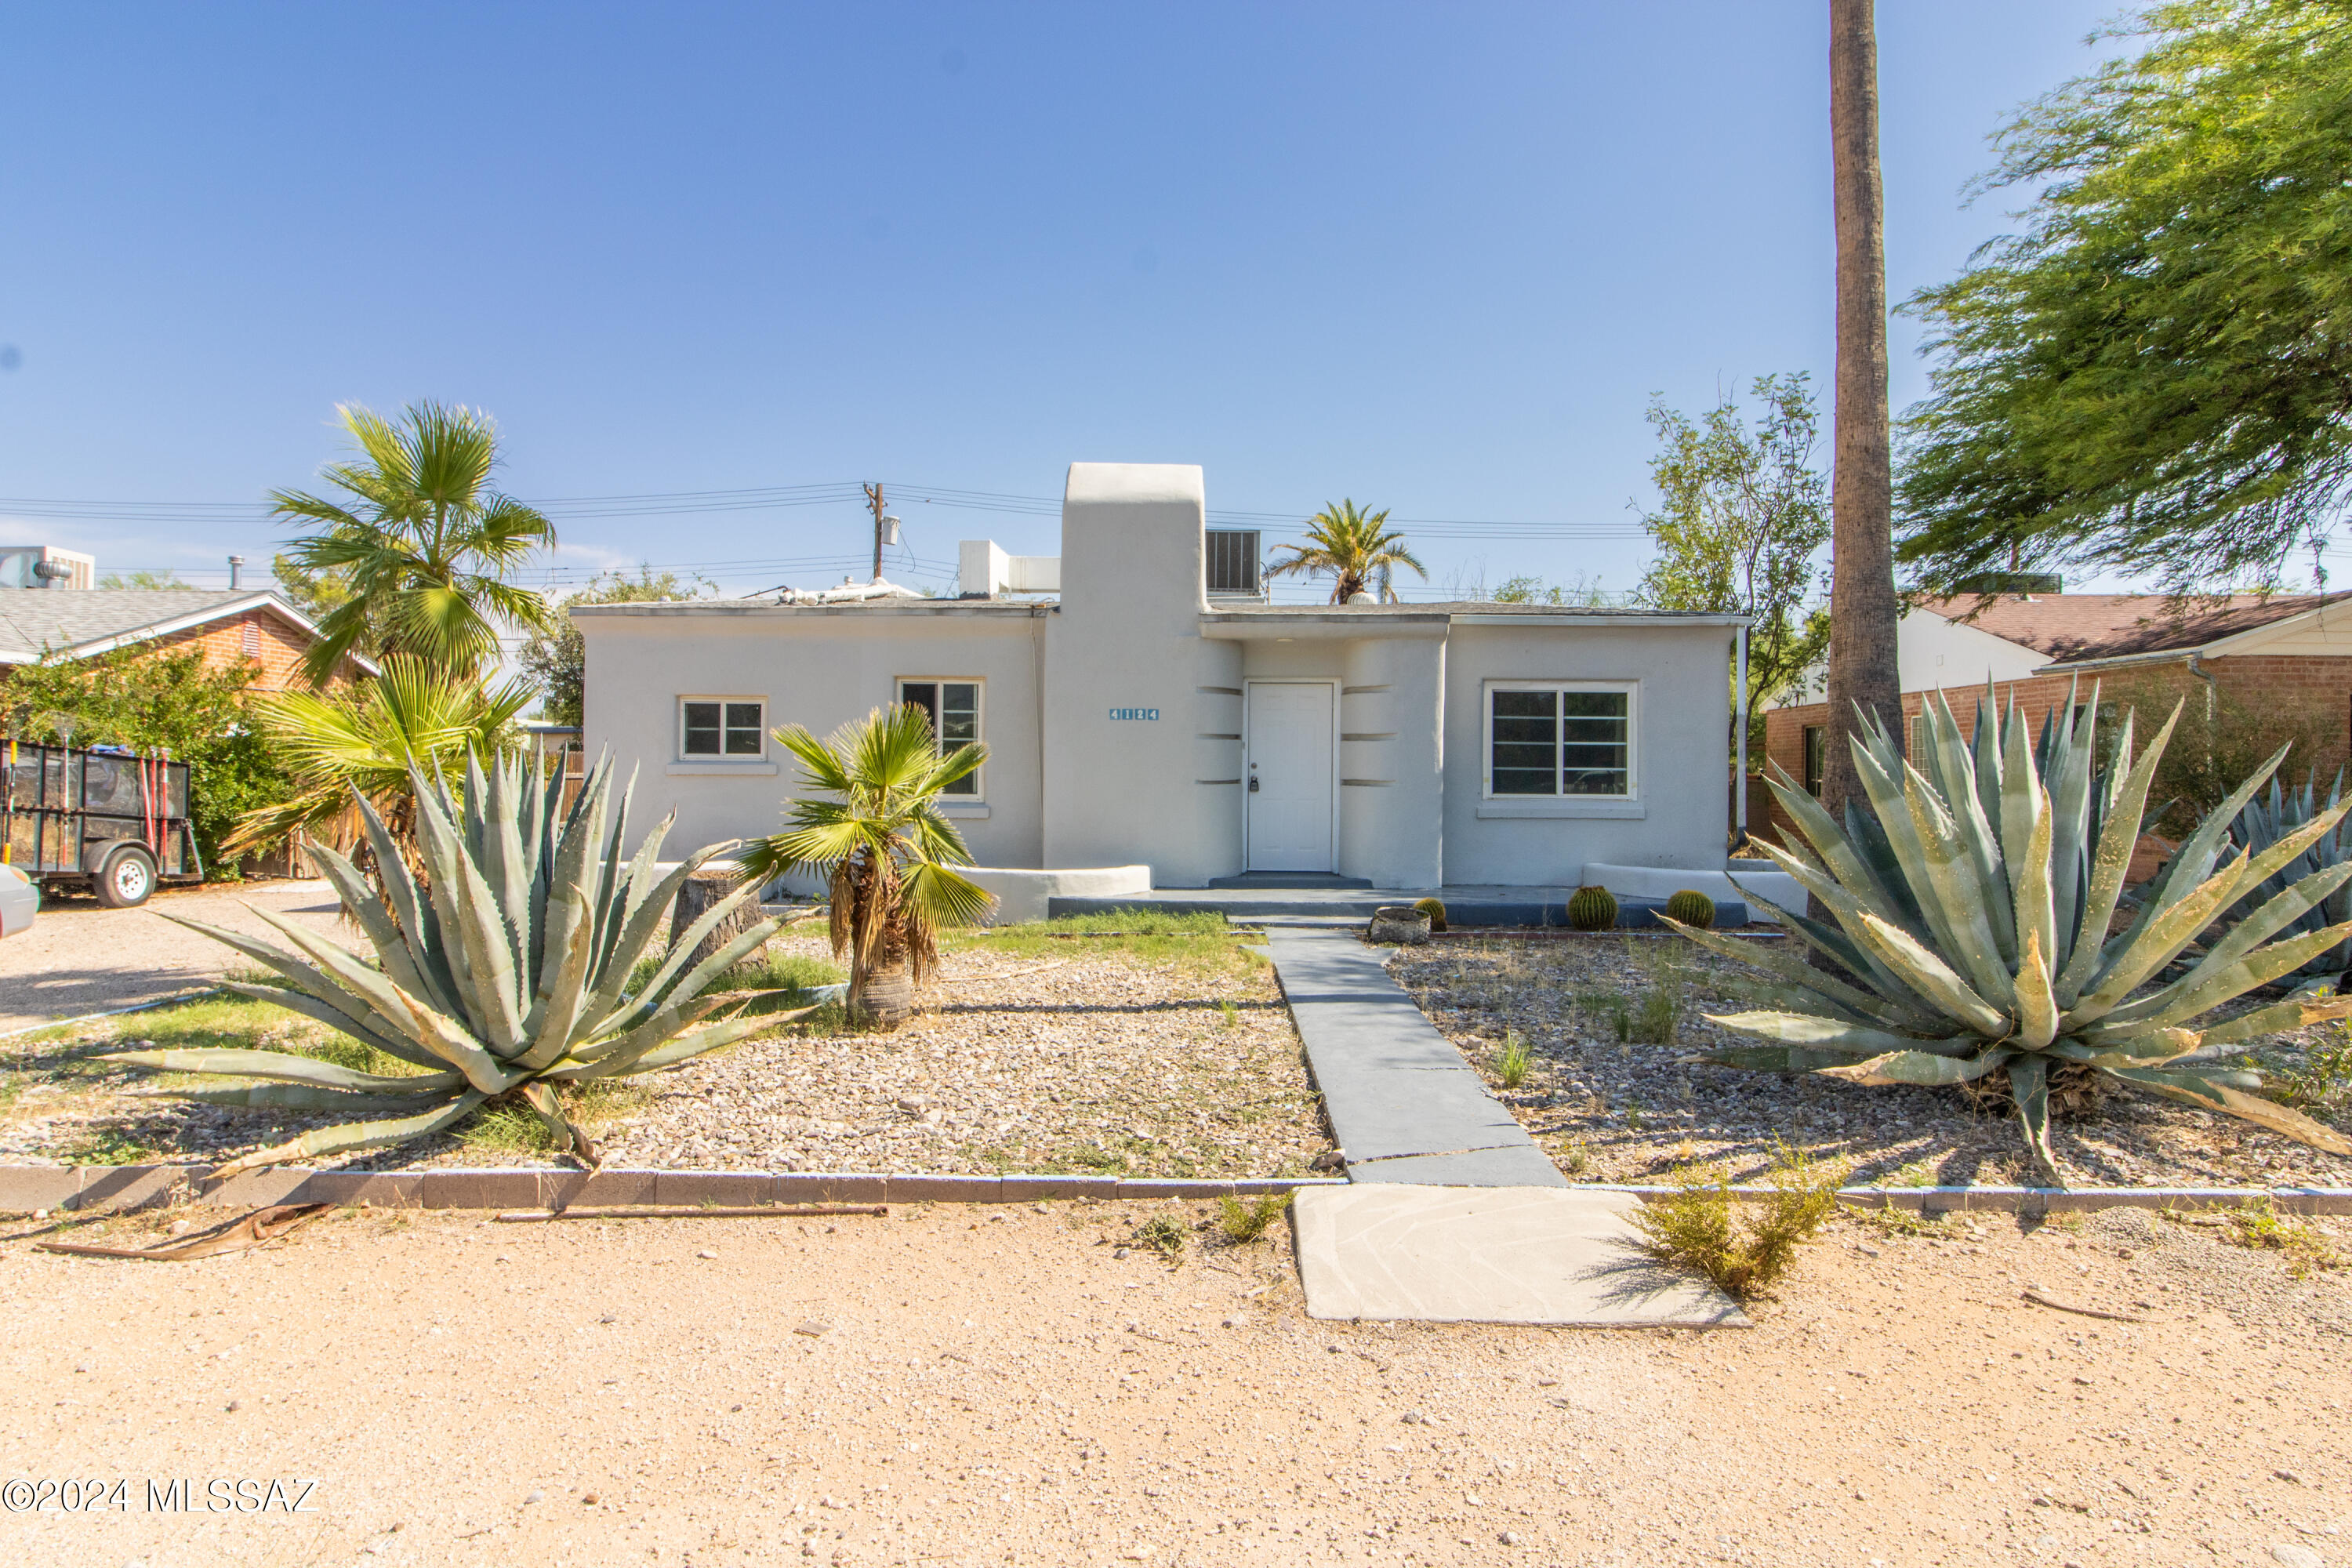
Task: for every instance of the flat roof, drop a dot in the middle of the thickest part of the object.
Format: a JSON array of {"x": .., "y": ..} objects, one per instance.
[{"x": 683, "y": 607}]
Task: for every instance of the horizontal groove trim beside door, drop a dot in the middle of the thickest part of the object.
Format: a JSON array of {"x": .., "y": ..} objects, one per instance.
[
  {"x": 1361, "y": 691},
  {"x": 1204, "y": 735},
  {"x": 1220, "y": 690},
  {"x": 1368, "y": 783},
  {"x": 1370, "y": 735},
  {"x": 1216, "y": 781}
]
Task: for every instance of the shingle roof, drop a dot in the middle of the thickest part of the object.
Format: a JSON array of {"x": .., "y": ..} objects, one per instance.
[
  {"x": 2069, "y": 627},
  {"x": 34, "y": 621}
]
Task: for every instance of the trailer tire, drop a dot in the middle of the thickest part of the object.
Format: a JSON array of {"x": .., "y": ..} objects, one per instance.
[{"x": 126, "y": 880}]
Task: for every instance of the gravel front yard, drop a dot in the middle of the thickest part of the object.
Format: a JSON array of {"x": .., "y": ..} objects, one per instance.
[
  {"x": 1079, "y": 1060},
  {"x": 1610, "y": 1108}
]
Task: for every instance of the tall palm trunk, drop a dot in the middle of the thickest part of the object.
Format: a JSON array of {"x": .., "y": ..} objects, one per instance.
[{"x": 1862, "y": 587}]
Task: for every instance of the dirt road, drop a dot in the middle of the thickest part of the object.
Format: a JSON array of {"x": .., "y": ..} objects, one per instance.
[
  {"x": 999, "y": 1388},
  {"x": 81, "y": 957}
]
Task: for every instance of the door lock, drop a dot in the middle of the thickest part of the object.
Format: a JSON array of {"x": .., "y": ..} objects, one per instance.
[{"x": 1253, "y": 785}]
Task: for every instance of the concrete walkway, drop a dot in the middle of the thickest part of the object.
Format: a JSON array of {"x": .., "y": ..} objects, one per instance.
[{"x": 1404, "y": 1104}]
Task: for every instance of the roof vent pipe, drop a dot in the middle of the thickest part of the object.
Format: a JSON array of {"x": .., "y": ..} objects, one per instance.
[{"x": 236, "y": 566}]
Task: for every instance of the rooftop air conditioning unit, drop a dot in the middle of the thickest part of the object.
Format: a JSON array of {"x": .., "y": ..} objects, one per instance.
[
  {"x": 45, "y": 566},
  {"x": 1233, "y": 564}
]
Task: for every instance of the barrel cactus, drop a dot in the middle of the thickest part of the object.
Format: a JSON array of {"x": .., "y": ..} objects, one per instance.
[
  {"x": 1434, "y": 909},
  {"x": 1692, "y": 908},
  {"x": 1592, "y": 908},
  {"x": 1972, "y": 902},
  {"x": 503, "y": 973}
]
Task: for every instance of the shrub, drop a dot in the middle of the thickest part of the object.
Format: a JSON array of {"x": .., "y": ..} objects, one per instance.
[{"x": 1695, "y": 1225}]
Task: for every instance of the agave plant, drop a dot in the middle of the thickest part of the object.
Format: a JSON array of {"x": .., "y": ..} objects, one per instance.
[
  {"x": 1972, "y": 904},
  {"x": 2263, "y": 822},
  {"x": 506, "y": 973}
]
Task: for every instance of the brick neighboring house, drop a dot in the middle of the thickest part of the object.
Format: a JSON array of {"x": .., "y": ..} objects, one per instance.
[
  {"x": 2289, "y": 648},
  {"x": 231, "y": 626}
]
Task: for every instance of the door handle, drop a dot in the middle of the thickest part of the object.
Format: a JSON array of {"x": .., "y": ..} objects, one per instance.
[{"x": 1253, "y": 784}]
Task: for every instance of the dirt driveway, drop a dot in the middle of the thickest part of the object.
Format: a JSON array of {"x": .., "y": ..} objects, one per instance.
[
  {"x": 82, "y": 957},
  {"x": 1002, "y": 1387}
]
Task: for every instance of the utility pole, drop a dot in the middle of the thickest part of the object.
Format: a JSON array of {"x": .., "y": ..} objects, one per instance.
[{"x": 886, "y": 529}]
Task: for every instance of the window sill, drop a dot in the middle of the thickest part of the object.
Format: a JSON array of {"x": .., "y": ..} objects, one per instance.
[
  {"x": 963, "y": 810},
  {"x": 719, "y": 770},
  {"x": 1564, "y": 806}
]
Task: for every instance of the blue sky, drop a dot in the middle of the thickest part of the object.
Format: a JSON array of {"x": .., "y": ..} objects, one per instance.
[{"x": 1437, "y": 259}]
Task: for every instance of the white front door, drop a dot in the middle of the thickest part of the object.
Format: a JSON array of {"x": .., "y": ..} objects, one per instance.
[{"x": 1291, "y": 748}]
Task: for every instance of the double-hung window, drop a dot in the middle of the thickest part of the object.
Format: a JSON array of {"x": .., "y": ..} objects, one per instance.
[
  {"x": 954, "y": 709},
  {"x": 1559, "y": 738},
  {"x": 722, "y": 727}
]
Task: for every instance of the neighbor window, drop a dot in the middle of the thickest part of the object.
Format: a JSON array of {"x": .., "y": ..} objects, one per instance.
[
  {"x": 1560, "y": 740},
  {"x": 954, "y": 709},
  {"x": 1817, "y": 757},
  {"x": 714, "y": 727}
]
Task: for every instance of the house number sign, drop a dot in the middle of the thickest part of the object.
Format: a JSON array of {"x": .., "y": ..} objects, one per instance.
[{"x": 1150, "y": 715}]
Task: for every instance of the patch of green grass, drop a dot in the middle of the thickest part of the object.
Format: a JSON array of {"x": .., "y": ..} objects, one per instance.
[
  {"x": 1513, "y": 1060},
  {"x": 504, "y": 1127},
  {"x": 780, "y": 972},
  {"x": 1195, "y": 942},
  {"x": 108, "y": 1146},
  {"x": 1243, "y": 1222},
  {"x": 1747, "y": 1252},
  {"x": 2323, "y": 1080},
  {"x": 1229, "y": 1014}
]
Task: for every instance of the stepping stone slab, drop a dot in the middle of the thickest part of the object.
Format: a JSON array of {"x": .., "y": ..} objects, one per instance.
[{"x": 1572, "y": 1258}]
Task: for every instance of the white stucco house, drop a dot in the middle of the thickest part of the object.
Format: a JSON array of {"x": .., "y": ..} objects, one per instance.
[{"x": 1155, "y": 710}]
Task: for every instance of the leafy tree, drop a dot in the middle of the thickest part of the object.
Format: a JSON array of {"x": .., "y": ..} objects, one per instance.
[
  {"x": 887, "y": 852},
  {"x": 1864, "y": 680},
  {"x": 427, "y": 552},
  {"x": 1584, "y": 591},
  {"x": 556, "y": 660},
  {"x": 160, "y": 700},
  {"x": 144, "y": 577},
  {"x": 1355, "y": 547},
  {"x": 2154, "y": 375},
  {"x": 364, "y": 738},
  {"x": 1741, "y": 518}
]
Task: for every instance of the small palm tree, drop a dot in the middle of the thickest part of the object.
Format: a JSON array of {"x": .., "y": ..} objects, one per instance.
[
  {"x": 428, "y": 550},
  {"x": 1355, "y": 547},
  {"x": 884, "y": 846},
  {"x": 365, "y": 738}
]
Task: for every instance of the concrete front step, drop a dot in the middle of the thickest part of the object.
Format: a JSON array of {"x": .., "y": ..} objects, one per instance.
[{"x": 1527, "y": 907}]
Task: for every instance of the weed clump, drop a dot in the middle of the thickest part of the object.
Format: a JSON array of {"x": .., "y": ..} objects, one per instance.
[
  {"x": 1243, "y": 1222},
  {"x": 2256, "y": 1223},
  {"x": 1513, "y": 1060},
  {"x": 1163, "y": 1234},
  {"x": 1745, "y": 1254}
]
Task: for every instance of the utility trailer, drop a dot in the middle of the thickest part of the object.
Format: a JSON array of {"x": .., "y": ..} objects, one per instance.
[{"x": 104, "y": 817}]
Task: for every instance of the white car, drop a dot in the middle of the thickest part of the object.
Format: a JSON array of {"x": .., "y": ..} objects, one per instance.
[{"x": 20, "y": 901}]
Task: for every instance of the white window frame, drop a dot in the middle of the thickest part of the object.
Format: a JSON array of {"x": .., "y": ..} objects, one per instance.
[
  {"x": 722, "y": 758},
  {"x": 1560, "y": 804},
  {"x": 979, "y": 775}
]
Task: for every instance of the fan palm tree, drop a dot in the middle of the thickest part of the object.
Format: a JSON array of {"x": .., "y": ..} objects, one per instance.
[
  {"x": 885, "y": 850},
  {"x": 1355, "y": 547},
  {"x": 365, "y": 739},
  {"x": 427, "y": 548},
  {"x": 1865, "y": 686}
]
